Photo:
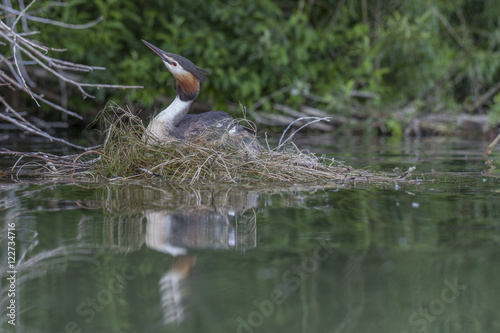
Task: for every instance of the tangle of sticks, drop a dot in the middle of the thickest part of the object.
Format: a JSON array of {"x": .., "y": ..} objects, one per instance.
[{"x": 19, "y": 50}]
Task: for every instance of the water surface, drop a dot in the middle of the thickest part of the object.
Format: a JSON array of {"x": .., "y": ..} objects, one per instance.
[{"x": 156, "y": 257}]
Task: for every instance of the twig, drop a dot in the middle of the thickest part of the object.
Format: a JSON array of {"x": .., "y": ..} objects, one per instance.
[
  {"x": 10, "y": 20},
  {"x": 14, "y": 51},
  {"x": 20, "y": 14},
  {"x": 150, "y": 173},
  {"x": 80, "y": 156},
  {"x": 49, "y": 103},
  {"x": 298, "y": 114},
  {"x": 267, "y": 142},
  {"x": 490, "y": 148},
  {"x": 314, "y": 120},
  {"x": 16, "y": 114},
  {"x": 17, "y": 78},
  {"x": 65, "y": 78},
  {"x": 25, "y": 21},
  {"x": 33, "y": 129},
  {"x": 53, "y": 22},
  {"x": 39, "y": 132},
  {"x": 408, "y": 172},
  {"x": 40, "y": 123}
]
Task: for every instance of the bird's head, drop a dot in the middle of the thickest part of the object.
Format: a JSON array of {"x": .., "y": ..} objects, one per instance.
[{"x": 187, "y": 75}]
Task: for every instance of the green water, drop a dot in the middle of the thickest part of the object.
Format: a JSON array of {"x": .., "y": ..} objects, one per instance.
[{"x": 152, "y": 257}]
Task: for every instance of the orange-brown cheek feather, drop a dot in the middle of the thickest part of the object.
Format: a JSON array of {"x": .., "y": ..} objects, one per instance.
[{"x": 189, "y": 86}]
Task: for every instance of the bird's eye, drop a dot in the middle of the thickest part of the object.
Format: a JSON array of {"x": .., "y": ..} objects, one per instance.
[{"x": 174, "y": 64}]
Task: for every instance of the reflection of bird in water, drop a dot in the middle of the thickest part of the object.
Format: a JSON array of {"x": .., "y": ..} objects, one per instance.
[
  {"x": 174, "y": 122},
  {"x": 174, "y": 232},
  {"x": 173, "y": 289}
]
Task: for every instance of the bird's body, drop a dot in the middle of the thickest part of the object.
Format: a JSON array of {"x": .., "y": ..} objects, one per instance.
[
  {"x": 213, "y": 124},
  {"x": 174, "y": 122}
]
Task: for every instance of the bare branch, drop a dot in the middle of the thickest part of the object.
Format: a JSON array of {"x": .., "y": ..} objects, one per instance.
[
  {"x": 21, "y": 14},
  {"x": 12, "y": 69},
  {"x": 114, "y": 86},
  {"x": 17, "y": 36},
  {"x": 26, "y": 50},
  {"x": 490, "y": 147},
  {"x": 311, "y": 120},
  {"x": 40, "y": 97},
  {"x": 16, "y": 77},
  {"x": 14, "y": 46},
  {"x": 53, "y": 22},
  {"x": 32, "y": 129}
]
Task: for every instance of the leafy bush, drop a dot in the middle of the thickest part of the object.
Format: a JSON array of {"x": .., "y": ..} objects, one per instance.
[{"x": 351, "y": 57}]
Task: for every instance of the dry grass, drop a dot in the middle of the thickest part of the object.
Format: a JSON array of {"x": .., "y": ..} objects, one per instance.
[{"x": 125, "y": 155}]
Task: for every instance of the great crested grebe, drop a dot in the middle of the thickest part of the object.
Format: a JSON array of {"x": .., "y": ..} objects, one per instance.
[{"x": 174, "y": 122}]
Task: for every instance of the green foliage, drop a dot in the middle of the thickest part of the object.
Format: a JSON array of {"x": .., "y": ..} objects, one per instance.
[{"x": 443, "y": 53}]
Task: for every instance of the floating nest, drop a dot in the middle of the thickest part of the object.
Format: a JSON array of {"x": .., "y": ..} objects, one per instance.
[{"x": 125, "y": 155}]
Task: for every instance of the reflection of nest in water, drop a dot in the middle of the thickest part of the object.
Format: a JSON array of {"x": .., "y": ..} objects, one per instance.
[
  {"x": 172, "y": 218},
  {"x": 125, "y": 154},
  {"x": 199, "y": 229}
]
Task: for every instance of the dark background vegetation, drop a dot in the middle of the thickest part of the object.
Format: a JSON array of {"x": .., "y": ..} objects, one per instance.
[{"x": 379, "y": 63}]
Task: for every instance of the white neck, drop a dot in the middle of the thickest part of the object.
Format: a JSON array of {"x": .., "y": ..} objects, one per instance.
[{"x": 165, "y": 122}]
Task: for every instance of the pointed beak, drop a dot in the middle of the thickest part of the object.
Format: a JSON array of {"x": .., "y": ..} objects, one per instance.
[{"x": 159, "y": 52}]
